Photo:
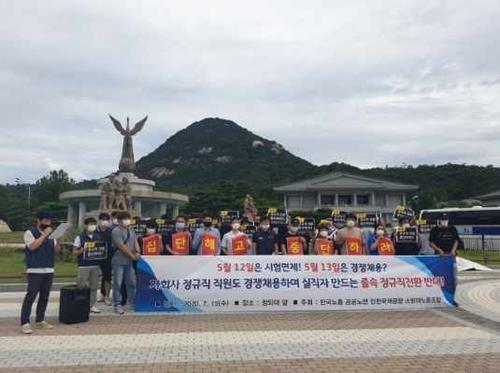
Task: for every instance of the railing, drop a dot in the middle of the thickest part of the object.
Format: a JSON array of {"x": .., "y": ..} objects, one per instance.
[{"x": 482, "y": 245}]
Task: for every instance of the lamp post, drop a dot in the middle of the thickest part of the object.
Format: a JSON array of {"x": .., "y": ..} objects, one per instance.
[{"x": 20, "y": 182}]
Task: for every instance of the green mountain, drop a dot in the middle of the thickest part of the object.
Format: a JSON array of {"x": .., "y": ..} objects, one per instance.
[
  {"x": 216, "y": 150},
  {"x": 215, "y": 160}
]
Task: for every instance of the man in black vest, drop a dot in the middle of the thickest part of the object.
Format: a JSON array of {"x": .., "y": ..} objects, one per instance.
[{"x": 39, "y": 250}]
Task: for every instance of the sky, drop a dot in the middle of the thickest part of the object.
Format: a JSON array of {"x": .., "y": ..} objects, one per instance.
[{"x": 370, "y": 83}]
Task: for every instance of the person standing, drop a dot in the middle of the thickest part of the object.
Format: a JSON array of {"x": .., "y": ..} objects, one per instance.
[
  {"x": 40, "y": 252},
  {"x": 151, "y": 243},
  {"x": 88, "y": 269},
  {"x": 178, "y": 241},
  {"x": 206, "y": 240},
  {"x": 444, "y": 238},
  {"x": 406, "y": 238},
  {"x": 235, "y": 242},
  {"x": 126, "y": 252},
  {"x": 350, "y": 237},
  {"x": 264, "y": 240},
  {"x": 292, "y": 243},
  {"x": 104, "y": 231},
  {"x": 323, "y": 243}
]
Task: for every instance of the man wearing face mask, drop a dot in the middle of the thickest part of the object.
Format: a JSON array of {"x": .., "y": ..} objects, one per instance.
[
  {"x": 350, "y": 238},
  {"x": 264, "y": 240},
  {"x": 323, "y": 243},
  {"x": 380, "y": 243},
  {"x": 127, "y": 250},
  {"x": 39, "y": 250},
  {"x": 406, "y": 238},
  {"x": 104, "y": 231},
  {"x": 206, "y": 240},
  {"x": 178, "y": 242},
  {"x": 235, "y": 242},
  {"x": 444, "y": 238},
  {"x": 292, "y": 243},
  {"x": 151, "y": 243},
  {"x": 88, "y": 269}
]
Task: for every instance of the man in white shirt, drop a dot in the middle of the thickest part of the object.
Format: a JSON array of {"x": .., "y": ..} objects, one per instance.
[{"x": 235, "y": 242}]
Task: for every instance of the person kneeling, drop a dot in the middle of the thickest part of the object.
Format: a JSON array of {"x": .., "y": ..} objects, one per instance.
[{"x": 89, "y": 270}]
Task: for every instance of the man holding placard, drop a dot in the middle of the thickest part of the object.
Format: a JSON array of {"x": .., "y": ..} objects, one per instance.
[
  {"x": 350, "y": 238},
  {"x": 90, "y": 251},
  {"x": 292, "y": 243},
  {"x": 235, "y": 242},
  {"x": 178, "y": 241},
  {"x": 206, "y": 240}
]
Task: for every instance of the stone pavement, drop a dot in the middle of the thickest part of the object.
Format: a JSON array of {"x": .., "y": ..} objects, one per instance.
[{"x": 442, "y": 340}]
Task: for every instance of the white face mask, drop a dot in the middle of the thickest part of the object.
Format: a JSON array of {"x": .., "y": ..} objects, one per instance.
[
  {"x": 126, "y": 222},
  {"x": 91, "y": 228},
  {"x": 380, "y": 232},
  {"x": 323, "y": 233},
  {"x": 265, "y": 227},
  {"x": 104, "y": 223},
  {"x": 151, "y": 230},
  {"x": 406, "y": 225},
  {"x": 115, "y": 221},
  {"x": 235, "y": 226},
  {"x": 443, "y": 223},
  {"x": 351, "y": 223}
]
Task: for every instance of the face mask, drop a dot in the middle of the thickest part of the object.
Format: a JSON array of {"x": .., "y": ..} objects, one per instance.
[
  {"x": 44, "y": 226},
  {"x": 180, "y": 226},
  {"x": 406, "y": 225},
  {"x": 207, "y": 224},
  {"x": 323, "y": 233},
  {"x": 265, "y": 227},
  {"x": 126, "y": 222},
  {"x": 115, "y": 221},
  {"x": 91, "y": 228},
  {"x": 104, "y": 223},
  {"x": 380, "y": 232},
  {"x": 151, "y": 230},
  {"x": 350, "y": 223},
  {"x": 293, "y": 230},
  {"x": 235, "y": 226},
  {"x": 444, "y": 223}
]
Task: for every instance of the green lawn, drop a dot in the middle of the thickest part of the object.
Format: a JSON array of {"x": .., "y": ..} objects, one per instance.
[
  {"x": 12, "y": 267},
  {"x": 493, "y": 257}
]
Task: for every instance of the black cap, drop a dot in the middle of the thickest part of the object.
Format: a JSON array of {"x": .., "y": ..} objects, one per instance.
[{"x": 44, "y": 215}]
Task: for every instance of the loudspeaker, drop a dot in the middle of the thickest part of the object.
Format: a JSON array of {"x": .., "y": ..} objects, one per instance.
[{"x": 74, "y": 305}]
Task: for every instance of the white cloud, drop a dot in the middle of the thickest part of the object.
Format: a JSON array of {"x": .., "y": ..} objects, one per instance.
[{"x": 374, "y": 83}]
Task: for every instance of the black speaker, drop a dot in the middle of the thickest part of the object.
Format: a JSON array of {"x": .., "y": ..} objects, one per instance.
[{"x": 74, "y": 305}]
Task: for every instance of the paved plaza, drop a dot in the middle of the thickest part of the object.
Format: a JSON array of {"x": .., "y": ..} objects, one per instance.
[{"x": 466, "y": 339}]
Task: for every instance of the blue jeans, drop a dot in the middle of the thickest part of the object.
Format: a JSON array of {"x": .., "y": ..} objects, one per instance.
[{"x": 123, "y": 273}]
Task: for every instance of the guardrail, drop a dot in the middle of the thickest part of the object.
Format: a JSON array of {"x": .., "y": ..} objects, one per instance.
[{"x": 487, "y": 246}]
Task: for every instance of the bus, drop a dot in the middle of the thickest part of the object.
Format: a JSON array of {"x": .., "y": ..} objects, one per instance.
[{"x": 477, "y": 226}]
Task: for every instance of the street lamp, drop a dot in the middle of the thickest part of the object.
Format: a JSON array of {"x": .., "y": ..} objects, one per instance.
[{"x": 22, "y": 182}]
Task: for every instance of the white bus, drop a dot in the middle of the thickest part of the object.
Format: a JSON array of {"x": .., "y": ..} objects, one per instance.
[{"x": 473, "y": 224}]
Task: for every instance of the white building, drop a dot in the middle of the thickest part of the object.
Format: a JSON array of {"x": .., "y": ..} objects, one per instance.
[{"x": 347, "y": 192}]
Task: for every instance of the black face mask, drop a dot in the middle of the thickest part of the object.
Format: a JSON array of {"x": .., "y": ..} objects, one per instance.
[{"x": 207, "y": 224}]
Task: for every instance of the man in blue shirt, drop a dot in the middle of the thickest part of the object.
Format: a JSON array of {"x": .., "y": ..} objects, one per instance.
[{"x": 207, "y": 233}]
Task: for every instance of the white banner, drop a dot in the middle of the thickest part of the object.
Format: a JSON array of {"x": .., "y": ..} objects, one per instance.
[{"x": 286, "y": 283}]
